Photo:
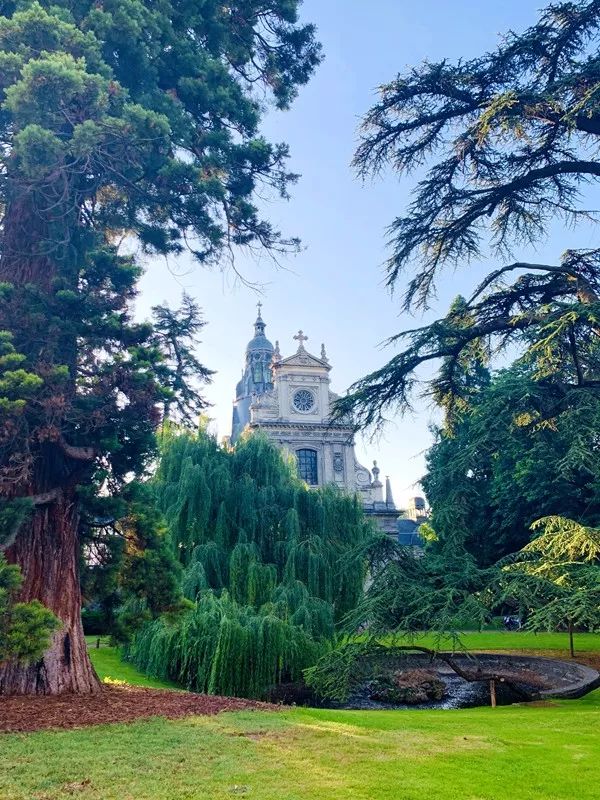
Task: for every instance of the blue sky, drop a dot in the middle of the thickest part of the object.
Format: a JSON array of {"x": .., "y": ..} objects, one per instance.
[{"x": 334, "y": 289}]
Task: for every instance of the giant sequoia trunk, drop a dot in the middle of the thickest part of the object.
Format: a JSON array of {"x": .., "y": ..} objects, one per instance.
[
  {"x": 47, "y": 552},
  {"x": 46, "y": 548}
]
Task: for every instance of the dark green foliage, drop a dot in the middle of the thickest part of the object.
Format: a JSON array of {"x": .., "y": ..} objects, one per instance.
[
  {"x": 380, "y": 667},
  {"x": 12, "y": 515},
  {"x": 151, "y": 570},
  {"x": 176, "y": 335},
  {"x": 121, "y": 122},
  {"x": 130, "y": 573},
  {"x": 25, "y": 628},
  {"x": 508, "y": 141},
  {"x": 555, "y": 579},
  {"x": 270, "y": 564},
  {"x": 336, "y": 673},
  {"x": 522, "y": 450},
  {"x": 245, "y": 518},
  {"x": 511, "y": 134},
  {"x": 408, "y": 595},
  {"x": 221, "y": 647}
]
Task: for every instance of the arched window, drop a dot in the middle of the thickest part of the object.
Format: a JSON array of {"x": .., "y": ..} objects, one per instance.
[{"x": 307, "y": 466}]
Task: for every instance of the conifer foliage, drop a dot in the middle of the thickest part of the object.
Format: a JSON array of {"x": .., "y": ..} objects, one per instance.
[
  {"x": 121, "y": 122},
  {"x": 269, "y": 564},
  {"x": 507, "y": 143},
  {"x": 25, "y": 628}
]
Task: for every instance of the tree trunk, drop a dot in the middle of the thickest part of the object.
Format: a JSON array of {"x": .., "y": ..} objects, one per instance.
[
  {"x": 47, "y": 552},
  {"x": 571, "y": 643},
  {"x": 39, "y": 243}
]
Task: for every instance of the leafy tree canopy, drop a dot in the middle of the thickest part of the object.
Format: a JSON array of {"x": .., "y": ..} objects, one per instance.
[
  {"x": 123, "y": 124},
  {"x": 518, "y": 450},
  {"x": 555, "y": 579},
  {"x": 130, "y": 573},
  {"x": 508, "y": 142},
  {"x": 270, "y": 565}
]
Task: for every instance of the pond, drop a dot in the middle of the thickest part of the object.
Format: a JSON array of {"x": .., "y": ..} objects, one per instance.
[{"x": 433, "y": 683}]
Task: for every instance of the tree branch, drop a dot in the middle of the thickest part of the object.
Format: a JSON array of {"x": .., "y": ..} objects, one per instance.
[
  {"x": 77, "y": 453},
  {"x": 45, "y": 498}
]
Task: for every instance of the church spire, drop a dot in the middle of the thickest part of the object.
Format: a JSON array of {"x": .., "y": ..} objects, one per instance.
[{"x": 259, "y": 325}]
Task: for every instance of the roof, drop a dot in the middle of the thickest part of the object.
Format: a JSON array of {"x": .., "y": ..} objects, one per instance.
[{"x": 259, "y": 341}]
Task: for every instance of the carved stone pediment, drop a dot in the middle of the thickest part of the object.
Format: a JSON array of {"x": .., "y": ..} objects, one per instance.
[{"x": 302, "y": 359}]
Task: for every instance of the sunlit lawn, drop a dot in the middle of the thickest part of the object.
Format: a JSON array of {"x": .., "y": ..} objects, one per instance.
[
  {"x": 509, "y": 753},
  {"x": 108, "y": 665},
  {"x": 522, "y": 640},
  {"x": 548, "y": 752}
]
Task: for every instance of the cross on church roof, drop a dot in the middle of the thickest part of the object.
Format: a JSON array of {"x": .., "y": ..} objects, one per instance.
[
  {"x": 259, "y": 306},
  {"x": 301, "y": 338}
]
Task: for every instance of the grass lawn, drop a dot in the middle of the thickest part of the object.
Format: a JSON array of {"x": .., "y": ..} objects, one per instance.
[
  {"x": 108, "y": 664},
  {"x": 524, "y": 640},
  {"x": 510, "y": 753},
  {"x": 528, "y": 752}
]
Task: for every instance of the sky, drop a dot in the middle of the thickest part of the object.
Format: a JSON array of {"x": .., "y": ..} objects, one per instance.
[{"x": 334, "y": 288}]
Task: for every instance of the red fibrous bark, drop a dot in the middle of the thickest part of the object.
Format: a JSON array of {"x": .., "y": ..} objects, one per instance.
[
  {"x": 47, "y": 552},
  {"x": 46, "y": 547}
]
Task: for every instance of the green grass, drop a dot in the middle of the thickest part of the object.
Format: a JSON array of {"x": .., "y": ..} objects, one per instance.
[
  {"x": 527, "y": 752},
  {"x": 524, "y": 640},
  {"x": 510, "y": 753},
  {"x": 107, "y": 663}
]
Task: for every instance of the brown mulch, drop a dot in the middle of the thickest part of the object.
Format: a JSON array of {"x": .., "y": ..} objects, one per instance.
[{"x": 112, "y": 704}]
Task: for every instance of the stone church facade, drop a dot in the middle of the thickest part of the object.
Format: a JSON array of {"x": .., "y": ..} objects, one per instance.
[{"x": 290, "y": 400}]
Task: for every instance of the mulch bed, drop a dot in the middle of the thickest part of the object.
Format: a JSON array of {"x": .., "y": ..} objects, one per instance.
[{"x": 112, "y": 704}]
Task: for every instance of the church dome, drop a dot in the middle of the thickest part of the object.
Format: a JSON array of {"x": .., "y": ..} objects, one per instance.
[{"x": 259, "y": 341}]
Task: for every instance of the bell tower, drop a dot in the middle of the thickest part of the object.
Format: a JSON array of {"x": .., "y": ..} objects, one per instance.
[
  {"x": 256, "y": 376},
  {"x": 289, "y": 399}
]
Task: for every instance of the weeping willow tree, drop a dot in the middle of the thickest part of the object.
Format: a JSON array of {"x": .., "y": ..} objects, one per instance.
[{"x": 269, "y": 565}]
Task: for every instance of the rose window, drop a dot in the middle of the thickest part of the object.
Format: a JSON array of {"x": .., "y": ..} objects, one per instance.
[{"x": 303, "y": 400}]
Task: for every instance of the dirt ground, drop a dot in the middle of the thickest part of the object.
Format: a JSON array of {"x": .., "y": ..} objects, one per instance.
[{"x": 112, "y": 704}]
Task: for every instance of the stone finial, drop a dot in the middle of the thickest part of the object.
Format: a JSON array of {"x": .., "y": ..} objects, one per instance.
[
  {"x": 376, "y": 485},
  {"x": 323, "y": 353},
  {"x": 376, "y": 482},
  {"x": 276, "y": 352},
  {"x": 300, "y": 338}
]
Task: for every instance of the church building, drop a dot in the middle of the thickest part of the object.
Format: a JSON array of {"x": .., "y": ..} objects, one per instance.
[{"x": 290, "y": 400}]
